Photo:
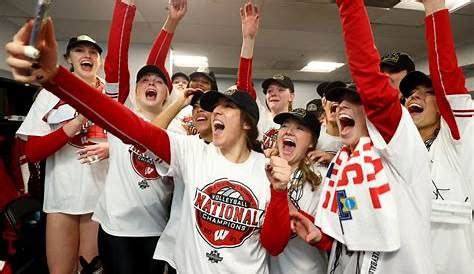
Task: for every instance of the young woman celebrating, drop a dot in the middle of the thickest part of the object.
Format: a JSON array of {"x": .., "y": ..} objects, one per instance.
[
  {"x": 226, "y": 185},
  {"x": 297, "y": 136},
  {"x": 134, "y": 207},
  {"x": 71, "y": 188}
]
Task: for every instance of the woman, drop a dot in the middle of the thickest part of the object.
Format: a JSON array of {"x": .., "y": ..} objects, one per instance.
[
  {"x": 376, "y": 199},
  {"x": 226, "y": 186},
  {"x": 71, "y": 188},
  {"x": 441, "y": 109},
  {"x": 279, "y": 90},
  {"x": 297, "y": 136},
  {"x": 134, "y": 207}
]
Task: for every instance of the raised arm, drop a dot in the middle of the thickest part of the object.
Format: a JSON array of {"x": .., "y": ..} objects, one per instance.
[
  {"x": 446, "y": 76},
  {"x": 161, "y": 46},
  {"x": 117, "y": 75},
  {"x": 101, "y": 109},
  {"x": 380, "y": 100},
  {"x": 250, "y": 18}
]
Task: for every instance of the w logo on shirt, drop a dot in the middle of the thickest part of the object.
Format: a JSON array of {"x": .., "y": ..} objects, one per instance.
[
  {"x": 143, "y": 163},
  {"x": 220, "y": 234}
]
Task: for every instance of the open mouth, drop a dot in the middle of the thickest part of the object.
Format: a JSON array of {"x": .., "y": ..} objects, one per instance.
[
  {"x": 201, "y": 118},
  {"x": 218, "y": 126},
  {"x": 415, "y": 108},
  {"x": 346, "y": 122},
  {"x": 86, "y": 65},
  {"x": 289, "y": 145},
  {"x": 151, "y": 94}
]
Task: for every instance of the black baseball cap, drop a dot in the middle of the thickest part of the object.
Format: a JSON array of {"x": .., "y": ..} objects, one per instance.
[
  {"x": 240, "y": 98},
  {"x": 396, "y": 62},
  {"x": 306, "y": 118},
  {"x": 152, "y": 69},
  {"x": 322, "y": 88},
  {"x": 315, "y": 106},
  {"x": 281, "y": 80},
  {"x": 346, "y": 93},
  {"x": 412, "y": 80},
  {"x": 196, "y": 100},
  {"x": 82, "y": 39},
  {"x": 208, "y": 75},
  {"x": 180, "y": 74}
]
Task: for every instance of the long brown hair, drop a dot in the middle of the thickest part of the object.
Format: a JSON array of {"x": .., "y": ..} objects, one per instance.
[{"x": 252, "y": 132}]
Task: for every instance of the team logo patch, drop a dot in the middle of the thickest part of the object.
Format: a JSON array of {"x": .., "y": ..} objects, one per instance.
[
  {"x": 227, "y": 213},
  {"x": 214, "y": 256},
  {"x": 143, "y": 163}
]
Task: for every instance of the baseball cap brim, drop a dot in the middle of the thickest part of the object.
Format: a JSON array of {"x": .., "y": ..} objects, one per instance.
[
  {"x": 180, "y": 74},
  {"x": 340, "y": 94},
  {"x": 202, "y": 74},
  {"x": 312, "y": 123},
  {"x": 152, "y": 69},
  {"x": 79, "y": 42},
  {"x": 242, "y": 100},
  {"x": 270, "y": 81},
  {"x": 196, "y": 100},
  {"x": 412, "y": 80}
]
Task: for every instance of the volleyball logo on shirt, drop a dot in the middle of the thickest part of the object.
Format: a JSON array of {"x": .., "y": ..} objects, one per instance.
[
  {"x": 269, "y": 138},
  {"x": 143, "y": 163},
  {"x": 227, "y": 213}
]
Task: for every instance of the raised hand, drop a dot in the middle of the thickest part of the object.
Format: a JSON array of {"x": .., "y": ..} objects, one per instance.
[
  {"x": 177, "y": 9},
  {"x": 304, "y": 228},
  {"x": 26, "y": 69},
  {"x": 432, "y": 6},
  {"x": 187, "y": 96},
  {"x": 250, "y": 18},
  {"x": 278, "y": 172},
  {"x": 93, "y": 153}
]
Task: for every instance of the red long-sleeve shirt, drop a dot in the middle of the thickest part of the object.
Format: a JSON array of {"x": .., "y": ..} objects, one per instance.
[
  {"x": 446, "y": 76},
  {"x": 380, "y": 100}
]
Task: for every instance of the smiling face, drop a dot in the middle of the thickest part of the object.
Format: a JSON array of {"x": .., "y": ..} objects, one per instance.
[
  {"x": 278, "y": 98},
  {"x": 85, "y": 60},
  {"x": 151, "y": 91},
  {"x": 202, "y": 121},
  {"x": 423, "y": 107},
  {"x": 180, "y": 83},
  {"x": 228, "y": 129},
  {"x": 351, "y": 123},
  {"x": 294, "y": 140}
]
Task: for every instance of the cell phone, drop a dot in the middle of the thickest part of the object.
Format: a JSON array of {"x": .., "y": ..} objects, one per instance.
[{"x": 41, "y": 13}]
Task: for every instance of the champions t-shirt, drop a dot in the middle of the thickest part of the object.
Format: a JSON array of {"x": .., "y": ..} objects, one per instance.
[{"x": 222, "y": 209}]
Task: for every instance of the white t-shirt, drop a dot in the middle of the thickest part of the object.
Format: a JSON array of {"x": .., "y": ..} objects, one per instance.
[
  {"x": 403, "y": 164},
  {"x": 182, "y": 122},
  {"x": 267, "y": 129},
  {"x": 451, "y": 209},
  {"x": 298, "y": 256},
  {"x": 328, "y": 142},
  {"x": 222, "y": 209},
  {"x": 70, "y": 187},
  {"x": 136, "y": 200}
]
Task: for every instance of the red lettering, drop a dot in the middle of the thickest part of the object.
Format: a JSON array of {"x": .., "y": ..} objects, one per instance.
[
  {"x": 327, "y": 197},
  {"x": 238, "y": 214},
  {"x": 358, "y": 177},
  {"x": 255, "y": 219},
  {"x": 214, "y": 208},
  {"x": 223, "y": 208},
  {"x": 377, "y": 164},
  {"x": 375, "y": 192},
  {"x": 199, "y": 200},
  {"x": 207, "y": 206},
  {"x": 248, "y": 217},
  {"x": 229, "y": 211}
]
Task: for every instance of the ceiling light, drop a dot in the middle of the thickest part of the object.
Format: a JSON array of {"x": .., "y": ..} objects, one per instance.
[
  {"x": 452, "y": 5},
  {"x": 190, "y": 61},
  {"x": 320, "y": 66}
]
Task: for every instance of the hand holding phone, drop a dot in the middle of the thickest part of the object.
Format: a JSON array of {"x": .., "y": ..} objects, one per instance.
[{"x": 41, "y": 13}]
